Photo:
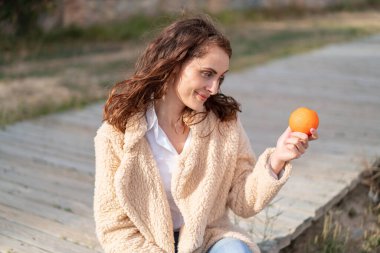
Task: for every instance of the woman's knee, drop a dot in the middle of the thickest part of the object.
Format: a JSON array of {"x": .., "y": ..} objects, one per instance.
[{"x": 229, "y": 245}]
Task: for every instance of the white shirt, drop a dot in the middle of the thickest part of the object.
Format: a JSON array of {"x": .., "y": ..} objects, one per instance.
[{"x": 166, "y": 157}]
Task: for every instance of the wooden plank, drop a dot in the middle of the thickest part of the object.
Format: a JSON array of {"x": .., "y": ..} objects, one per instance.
[
  {"x": 47, "y": 198},
  {"x": 307, "y": 185},
  {"x": 94, "y": 111},
  {"x": 49, "y": 154},
  {"x": 78, "y": 120},
  {"x": 301, "y": 209},
  {"x": 45, "y": 174},
  {"x": 40, "y": 239},
  {"x": 83, "y": 149},
  {"x": 69, "y": 193},
  {"x": 295, "y": 77},
  {"x": 11, "y": 245},
  {"x": 46, "y": 211},
  {"x": 24, "y": 163},
  {"x": 294, "y": 208},
  {"x": 316, "y": 66},
  {"x": 323, "y": 102},
  {"x": 43, "y": 158},
  {"x": 258, "y": 229},
  {"x": 64, "y": 176},
  {"x": 261, "y": 139},
  {"x": 63, "y": 123},
  {"x": 281, "y": 220},
  {"x": 344, "y": 107},
  {"x": 60, "y": 133},
  {"x": 329, "y": 121},
  {"x": 86, "y": 238},
  {"x": 289, "y": 83},
  {"x": 51, "y": 122},
  {"x": 73, "y": 149},
  {"x": 324, "y": 173}
]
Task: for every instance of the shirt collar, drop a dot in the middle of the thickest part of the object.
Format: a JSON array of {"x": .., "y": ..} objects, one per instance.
[
  {"x": 202, "y": 128},
  {"x": 151, "y": 117},
  {"x": 158, "y": 134}
]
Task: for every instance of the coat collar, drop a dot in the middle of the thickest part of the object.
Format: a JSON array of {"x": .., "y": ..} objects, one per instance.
[
  {"x": 134, "y": 131},
  {"x": 137, "y": 174}
]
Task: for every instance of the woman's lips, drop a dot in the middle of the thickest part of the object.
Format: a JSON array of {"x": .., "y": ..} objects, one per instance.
[{"x": 202, "y": 97}]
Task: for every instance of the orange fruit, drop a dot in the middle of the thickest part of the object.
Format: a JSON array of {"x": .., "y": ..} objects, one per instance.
[{"x": 302, "y": 119}]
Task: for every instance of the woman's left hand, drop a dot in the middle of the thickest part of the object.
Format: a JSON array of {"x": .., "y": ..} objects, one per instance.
[{"x": 290, "y": 145}]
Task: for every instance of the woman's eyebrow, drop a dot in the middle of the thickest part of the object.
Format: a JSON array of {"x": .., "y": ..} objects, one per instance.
[{"x": 214, "y": 71}]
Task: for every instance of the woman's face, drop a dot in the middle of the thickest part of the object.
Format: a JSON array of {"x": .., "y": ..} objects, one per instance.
[{"x": 200, "y": 78}]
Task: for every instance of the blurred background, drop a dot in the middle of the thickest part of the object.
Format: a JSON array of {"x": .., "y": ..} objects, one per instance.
[{"x": 57, "y": 55}]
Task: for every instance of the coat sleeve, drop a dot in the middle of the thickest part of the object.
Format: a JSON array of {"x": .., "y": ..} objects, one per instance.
[
  {"x": 115, "y": 231},
  {"x": 253, "y": 185}
]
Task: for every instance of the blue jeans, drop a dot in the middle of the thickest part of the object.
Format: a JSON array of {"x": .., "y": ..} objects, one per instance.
[
  {"x": 229, "y": 245},
  {"x": 224, "y": 245}
]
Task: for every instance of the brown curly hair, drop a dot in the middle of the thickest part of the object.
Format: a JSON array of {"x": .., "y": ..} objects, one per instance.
[{"x": 161, "y": 61}]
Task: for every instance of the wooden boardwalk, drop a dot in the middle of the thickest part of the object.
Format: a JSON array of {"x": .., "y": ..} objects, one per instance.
[{"x": 47, "y": 164}]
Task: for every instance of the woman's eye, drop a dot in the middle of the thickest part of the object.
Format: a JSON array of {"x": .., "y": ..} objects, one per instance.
[
  {"x": 221, "y": 79},
  {"x": 206, "y": 74}
]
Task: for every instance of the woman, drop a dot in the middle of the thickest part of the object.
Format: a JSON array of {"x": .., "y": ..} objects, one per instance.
[{"x": 172, "y": 156}]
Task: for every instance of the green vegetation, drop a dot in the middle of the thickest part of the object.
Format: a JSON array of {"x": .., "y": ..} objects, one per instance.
[
  {"x": 256, "y": 50},
  {"x": 73, "y": 41},
  {"x": 331, "y": 239},
  {"x": 78, "y": 65},
  {"x": 131, "y": 29},
  {"x": 30, "y": 43},
  {"x": 23, "y": 15},
  {"x": 24, "y": 111}
]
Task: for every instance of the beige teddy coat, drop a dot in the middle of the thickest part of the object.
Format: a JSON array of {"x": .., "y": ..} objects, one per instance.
[{"x": 216, "y": 172}]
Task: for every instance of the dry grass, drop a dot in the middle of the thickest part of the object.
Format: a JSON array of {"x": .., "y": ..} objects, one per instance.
[
  {"x": 353, "y": 225},
  {"x": 29, "y": 88},
  {"x": 257, "y": 44}
]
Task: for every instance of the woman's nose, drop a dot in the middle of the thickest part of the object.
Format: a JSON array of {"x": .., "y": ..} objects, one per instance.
[{"x": 213, "y": 87}]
